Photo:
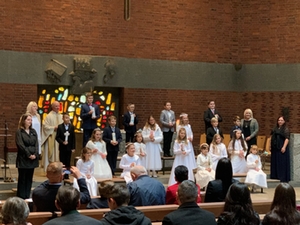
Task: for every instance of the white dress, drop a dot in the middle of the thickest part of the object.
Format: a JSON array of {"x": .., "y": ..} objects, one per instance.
[
  {"x": 37, "y": 126},
  {"x": 181, "y": 159},
  {"x": 125, "y": 162},
  {"x": 217, "y": 152},
  {"x": 239, "y": 164},
  {"x": 189, "y": 134},
  {"x": 101, "y": 166},
  {"x": 203, "y": 176},
  {"x": 141, "y": 148},
  {"x": 258, "y": 178},
  {"x": 86, "y": 168},
  {"x": 153, "y": 149}
]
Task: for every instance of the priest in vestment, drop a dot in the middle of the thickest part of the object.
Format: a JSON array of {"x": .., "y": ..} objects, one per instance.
[{"x": 50, "y": 151}]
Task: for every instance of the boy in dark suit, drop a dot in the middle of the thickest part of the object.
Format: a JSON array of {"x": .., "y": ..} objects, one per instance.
[
  {"x": 214, "y": 129},
  {"x": 65, "y": 136},
  {"x": 210, "y": 113},
  {"x": 112, "y": 137},
  {"x": 130, "y": 121}
]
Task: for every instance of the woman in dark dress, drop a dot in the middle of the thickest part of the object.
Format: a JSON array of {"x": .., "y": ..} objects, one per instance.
[
  {"x": 250, "y": 128},
  {"x": 238, "y": 208},
  {"x": 280, "y": 154},
  {"x": 27, "y": 157}
]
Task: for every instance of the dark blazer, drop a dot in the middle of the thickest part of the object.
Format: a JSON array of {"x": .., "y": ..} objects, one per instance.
[
  {"x": 107, "y": 137},
  {"x": 43, "y": 196},
  {"x": 60, "y": 137},
  {"x": 27, "y": 145},
  {"x": 207, "y": 117},
  {"x": 126, "y": 121},
  {"x": 87, "y": 121},
  {"x": 210, "y": 134},
  {"x": 189, "y": 213},
  {"x": 73, "y": 218},
  {"x": 214, "y": 191}
]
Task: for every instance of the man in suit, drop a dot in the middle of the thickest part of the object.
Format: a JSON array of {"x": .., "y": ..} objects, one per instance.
[
  {"x": 112, "y": 137},
  {"x": 65, "y": 136},
  {"x": 67, "y": 201},
  {"x": 210, "y": 113},
  {"x": 89, "y": 114},
  {"x": 188, "y": 211},
  {"x": 43, "y": 196},
  {"x": 214, "y": 129},
  {"x": 167, "y": 119},
  {"x": 130, "y": 121},
  {"x": 145, "y": 190}
]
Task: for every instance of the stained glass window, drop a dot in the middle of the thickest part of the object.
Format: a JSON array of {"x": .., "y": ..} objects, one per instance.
[{"x": 105, "y": 98}]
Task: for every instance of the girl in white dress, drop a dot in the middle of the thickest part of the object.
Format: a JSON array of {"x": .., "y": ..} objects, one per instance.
[
  {"x": 237, "y": 150},
  {"x": 184, "y": 123},
  {"x": 205, "y": 173},
  {"x": 140, "y": 147},
  {"x": 217, "y": 150},
  {"x": 181, "y": 151},
  {"x": 152, "y": 136},
  {"x": 128, "y": 161},
  {"x": 86, "y": 167},
  {"x": 255, "y": 175},
  {"x": 98, "y": 146}
]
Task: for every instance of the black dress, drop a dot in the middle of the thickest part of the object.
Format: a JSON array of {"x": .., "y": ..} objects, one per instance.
[{"x": 280, "y": 162}]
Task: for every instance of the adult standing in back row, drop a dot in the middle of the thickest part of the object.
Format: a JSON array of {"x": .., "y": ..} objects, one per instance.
[
  {"x": 210, "y": 113},
  {"x": 167, "y": 119}
]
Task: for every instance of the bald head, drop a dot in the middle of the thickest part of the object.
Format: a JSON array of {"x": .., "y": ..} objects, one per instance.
[
  {"x": 55, "y": 172},
  {"x": 137, "y": 171},
  {"x": 55, "y": 106}
]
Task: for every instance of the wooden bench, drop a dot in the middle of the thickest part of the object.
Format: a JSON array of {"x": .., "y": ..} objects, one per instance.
[
  {"x": 114, "y": 179},
  {"x": 39, "y": 218},
  {"x": 243, "y": 175},
  {"x": 164, "y": 159}
]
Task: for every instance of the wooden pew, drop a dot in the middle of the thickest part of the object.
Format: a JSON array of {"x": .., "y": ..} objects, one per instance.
[
  {"x": 114, "y": 179},
  {"x": 38, "y": 218}
]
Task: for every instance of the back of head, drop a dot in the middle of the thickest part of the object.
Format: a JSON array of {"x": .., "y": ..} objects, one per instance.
[
  {"x": 224, "y": 173},
  {"x": 120, "y": 194},
  {"x": 187, "y": 191},
  {"x": 14, "y": 211},
  {"x": 181, "y": 173},
  {"x": 105, "y": 187},
  {"x": 284, "y": 198},
  {"x": 54, "y": 171},
  {"x": 67, "y": 198},
  {"x": 138, "y": 171},
  {"x": 238, "y": 206}
]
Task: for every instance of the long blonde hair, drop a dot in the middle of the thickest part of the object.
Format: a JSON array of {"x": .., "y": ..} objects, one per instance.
[
  {"x": 185, "y": 140},
  {"x": 214, "y": 143}
]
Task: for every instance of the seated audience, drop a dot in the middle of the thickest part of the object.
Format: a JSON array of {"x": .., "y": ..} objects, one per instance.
[
  {"x": 43, "y": 196},
  {"x": 67, "y": 201},
  {"x": 15, "y": 212},
  {"x": 217, "y": 189},
  {"x": 98, "y": 203},
  {"x": 188, "y": 211},
  {"x": 283, "y": 208},
  {"x": 121, "y": 212},
  {"x": 238, "y": 207},
  {"x": 181, "y": 174},
  {"x": 145, "y": 190}
]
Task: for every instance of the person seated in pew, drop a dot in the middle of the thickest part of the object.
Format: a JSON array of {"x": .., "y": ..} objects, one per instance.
[
  {"x": 99, "y": 203},
  {"x": 15, "y": 212},
  {"x": 43, "y": 196},
  {"x": 283, "y": 208},
  {"x": 217, "y": 189},
  {"x": 188, "y": 211},
  {"x": 145, "y": 190},
  {"x": 238, "y": 207},
  {"x": 67, "y": 201},
  {"x": 181, "y": 174},
  {"x": 121, "y": 212}
]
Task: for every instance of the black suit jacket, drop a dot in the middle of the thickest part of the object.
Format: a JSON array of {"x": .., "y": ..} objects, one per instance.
[
  {"x": 207, "y": 117},
  {"x": 60, "y": 137},
  {"x": 214, "y": 191},
  {"x": 87, "y": 121},
  {"x": 126, "y": 121},
  {"x": 210, "y": 134},
  {"x": 189, "y": 213},
  {"x": 107, "y": 137},
  {"x": 43, "y": 196}
]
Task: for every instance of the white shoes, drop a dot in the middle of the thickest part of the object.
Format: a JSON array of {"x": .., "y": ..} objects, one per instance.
[{"x": 154, "y": 173}]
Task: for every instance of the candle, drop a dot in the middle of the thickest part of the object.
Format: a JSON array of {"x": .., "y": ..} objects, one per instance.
[
  {"x": 131, "y": 119},
  {"x": 93, "y": 109},
  {"x": 114, "y": 136},
  {"x": 66, "y": 135}
]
